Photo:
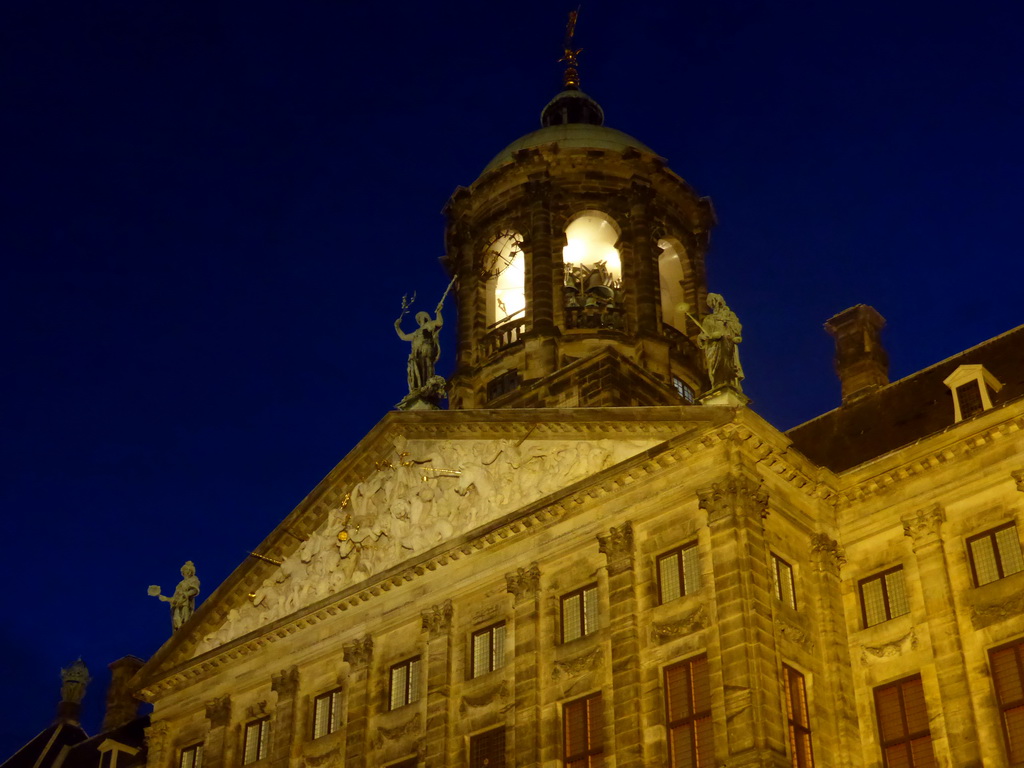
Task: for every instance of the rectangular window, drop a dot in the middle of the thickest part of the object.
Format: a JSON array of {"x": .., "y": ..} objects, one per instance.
[
  {"x": 883, "y": 597},
  {"x": 487, "y": 750},
  {"x": 326, "y": 713},
  {"x": 1008, "y": 678},
  {"x": 582, "y": 731},
  {"x": 678, "y": 573},
  {"x": 969, "y": 396},
  {"x": 256, "y": 738},
  {"x": 192, "y": 757},
  {"x": 688, "y": 701},
  {"x": 405, "y": 683},
  {"x": 488, "y": 650},
  {"x": 798, "y": 719},
  {"x": 579, "y": 613},
  {"x": 782, "y": 579},
  {"x": 995, "y": 554},
  {"x": 903, "y": 725},
  {"x": 684, "y": 390}
]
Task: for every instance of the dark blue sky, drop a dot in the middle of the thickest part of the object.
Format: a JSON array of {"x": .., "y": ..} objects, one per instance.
[{"x": 210, "y": 212}]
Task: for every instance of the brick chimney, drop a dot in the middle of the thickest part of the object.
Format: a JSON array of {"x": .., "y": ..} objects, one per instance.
[
  {"x": 861, "y": 361},
  {"x": 122, "y": 706}
]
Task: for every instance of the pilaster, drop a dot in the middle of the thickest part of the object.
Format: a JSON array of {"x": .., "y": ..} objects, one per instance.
[
  {"x": 286, "y": 685},
  {"x": 437, "y": 622},
  {"x": 838, "y": 744},
  {"x": 924, "y": 528},
  {"x": 218, "y": 713},
  {"x": 157, "y": 736},
  {"x": 644, "y": 281},
  {"x": 358, "y": 655},
  {"x": 617, "y": 546},
  {"x": 524, "y": 584},
  {"x": 736, "y": 509}
]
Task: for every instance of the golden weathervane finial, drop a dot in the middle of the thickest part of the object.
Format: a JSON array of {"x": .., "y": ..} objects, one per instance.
[{"x": 571, "y": 78}]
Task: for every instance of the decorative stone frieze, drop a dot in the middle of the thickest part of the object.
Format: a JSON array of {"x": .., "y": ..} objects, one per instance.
[
  {"x": 574, "y": 667},
  {"x": 992, "y": 613},
  {"x": 523, "y": 583},
  {"x": 286, "y": 682},
  {"x": 923, "y": 526},
  {"x": 874, "y": 653},
  {"x": 501, "y": 692},
  {"x": 669, "y": 630},
  {"x": 218, "y": 711},
  {"x": 736, "y": 495},
  {"x": 617, "y": 546},
  {"x": 359, "y": 652},
  {"x": 383, "y": 735},
  {"x": 827, "y": 554},
  {"x": 794, "y": 634},
  {"x": 438, "y": 619}
]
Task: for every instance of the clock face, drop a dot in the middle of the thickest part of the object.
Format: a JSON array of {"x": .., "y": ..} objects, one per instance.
[{"x": 500, "y": 252}]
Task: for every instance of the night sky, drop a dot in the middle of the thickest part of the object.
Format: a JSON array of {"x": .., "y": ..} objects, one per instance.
[{"x": 210, "y": 212}]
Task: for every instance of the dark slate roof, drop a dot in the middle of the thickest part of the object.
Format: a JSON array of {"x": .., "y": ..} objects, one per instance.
[
  {"x": 909, "y": 409},
  {"x": 47, "y": 746},
  {"x": 132, "y": 734}
]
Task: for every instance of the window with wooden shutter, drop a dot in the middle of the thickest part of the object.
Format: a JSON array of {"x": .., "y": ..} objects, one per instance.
[
  {"x": 903, "y": 725},
  {"x": 582, "y": 732},
  {"x": 798, "y": 718},
  {"x": 1008, "y": 678},
  {"x": 688, "y": 704}
]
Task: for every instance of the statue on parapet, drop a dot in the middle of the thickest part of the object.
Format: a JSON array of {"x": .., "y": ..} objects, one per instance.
[
  {"x": 426, "y": 388},
  {"x": 720, "y": 335},
  {"x": 73, "y": 682},
  {"x": 183, "y": 601}
]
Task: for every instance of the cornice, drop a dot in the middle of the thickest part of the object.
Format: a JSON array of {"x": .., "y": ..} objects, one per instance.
[
  {"x": 925, "y": 456},
  {"x": 742, "y": 430}
]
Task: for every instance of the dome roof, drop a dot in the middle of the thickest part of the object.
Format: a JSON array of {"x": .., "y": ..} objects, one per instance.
[{"x": 571, "y": 136}]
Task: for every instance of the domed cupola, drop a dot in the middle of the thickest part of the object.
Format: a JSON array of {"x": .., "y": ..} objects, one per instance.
[{"x": 579, "y": 256}]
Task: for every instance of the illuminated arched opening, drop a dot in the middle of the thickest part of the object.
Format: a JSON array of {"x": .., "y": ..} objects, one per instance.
[
  {"x": 505, "y": 266},
  {"x": 590, "y": 254},
  {"x": 672, "y": 280}
]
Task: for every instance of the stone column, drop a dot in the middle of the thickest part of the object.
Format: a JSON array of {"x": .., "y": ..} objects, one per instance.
[
  {"x": 524, "y": 584},
  {"x": 645, "y": 286},
  {"x": 755, "y": 733},
  {"x": 437, "y": 622},
  {"x": 157, "y": 736},
  {"x": 617, "y": 546},
  {"x": 282, "y": 728},
  {"x": 540, "y": 283},
  {"x": 841, "y": 737},
  {"x": 358, "y": 655},
  {"x": 925, "y": 529},
  {"x": 218, "y": 712}
]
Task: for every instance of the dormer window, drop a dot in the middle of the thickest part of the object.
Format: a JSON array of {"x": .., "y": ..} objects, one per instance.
[{"x": 972, "y": 387}]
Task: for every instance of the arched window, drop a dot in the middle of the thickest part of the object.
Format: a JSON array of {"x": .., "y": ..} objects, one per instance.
[
  {"x": 590, "y": 255},
  {"x": 672, "y": 280},
  {"x": 505, "y": 268},
  {"x": 593, "y": 273}
]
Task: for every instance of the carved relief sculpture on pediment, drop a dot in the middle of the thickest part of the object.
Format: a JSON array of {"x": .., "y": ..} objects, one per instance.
[{"x": 427, "y": 492}]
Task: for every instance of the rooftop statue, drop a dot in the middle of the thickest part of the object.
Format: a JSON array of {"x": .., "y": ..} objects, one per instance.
[
  {"x": 183, "y": 601},
  {"x": 720, "y": 333},
  {"x": 426, "y": 388}
]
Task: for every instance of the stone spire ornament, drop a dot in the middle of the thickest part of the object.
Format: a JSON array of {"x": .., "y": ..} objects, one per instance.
[
  {"x": 183, "y": 601},
  {"x": 73, "y": 682}
]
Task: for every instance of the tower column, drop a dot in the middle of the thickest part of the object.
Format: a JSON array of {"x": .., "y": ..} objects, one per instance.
[
  {"x": 358, "y": 655},
  {"x": 644, "y": 276},
  {"x": 540, "y": 279},
  {"x": 617, "y": 546},
  {"x": 438, "y": 623},
  {"x": 524, "y": 584},
  {"x": 925, "y": 529},
  {"x": 286, "y": 685}
]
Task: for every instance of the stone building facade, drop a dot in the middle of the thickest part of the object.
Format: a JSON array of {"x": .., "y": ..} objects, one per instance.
[{"x": 596, "y": 558}]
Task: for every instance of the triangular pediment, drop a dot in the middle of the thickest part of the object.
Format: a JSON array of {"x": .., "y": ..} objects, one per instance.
[{"x": 416, "y": 481}]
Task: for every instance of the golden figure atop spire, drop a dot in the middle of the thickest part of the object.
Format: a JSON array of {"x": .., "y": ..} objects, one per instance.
[{"x": 571, "y": 78}]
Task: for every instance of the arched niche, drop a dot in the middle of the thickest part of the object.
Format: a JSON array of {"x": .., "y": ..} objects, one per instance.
[
  {"x": 672, "y": 279},
  {"x": 590, "y": 238},
  {"x": 505, "y": 267}
]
